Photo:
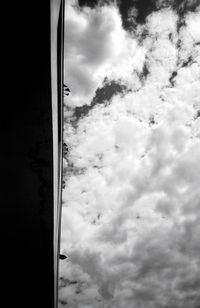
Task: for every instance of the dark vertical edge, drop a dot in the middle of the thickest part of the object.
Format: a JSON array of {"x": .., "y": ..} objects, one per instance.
[
  {"x": 60, "y": 70},
  {"x": 55, "y": 9},
  {"x": 60, "y": 123},
  {"x": 26, "y": 157}
]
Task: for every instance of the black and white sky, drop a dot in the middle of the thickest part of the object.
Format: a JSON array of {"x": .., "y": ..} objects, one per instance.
[{"x": 131, "y": 202}]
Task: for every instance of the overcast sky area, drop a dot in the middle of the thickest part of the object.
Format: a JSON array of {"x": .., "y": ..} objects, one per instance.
[{"x": 131, "y": 199}]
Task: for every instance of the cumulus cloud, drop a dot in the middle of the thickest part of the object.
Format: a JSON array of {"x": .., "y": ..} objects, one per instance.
[
  {"x": 130, "y": 218},
  {"x": 96, "y": 46}
]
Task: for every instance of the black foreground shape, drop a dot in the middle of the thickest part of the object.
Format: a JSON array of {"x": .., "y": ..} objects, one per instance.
[
  {"x": 26, "y": 205},
  {"x": 62, "y": 257}
]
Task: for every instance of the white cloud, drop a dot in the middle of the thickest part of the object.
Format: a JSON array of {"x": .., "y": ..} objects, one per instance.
[
  {"x": 130, "y": 223},
  {"x": 96, "y": 47}
]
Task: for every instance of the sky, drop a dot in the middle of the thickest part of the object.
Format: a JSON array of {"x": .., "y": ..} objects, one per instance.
[{"x": 131, "y": 201}]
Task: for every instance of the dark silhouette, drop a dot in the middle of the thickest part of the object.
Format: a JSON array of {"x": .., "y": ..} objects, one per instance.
[{"x": 63, "y": 257}]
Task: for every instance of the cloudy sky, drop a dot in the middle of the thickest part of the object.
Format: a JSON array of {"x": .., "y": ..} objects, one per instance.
[{"x": 131, "y": 202}]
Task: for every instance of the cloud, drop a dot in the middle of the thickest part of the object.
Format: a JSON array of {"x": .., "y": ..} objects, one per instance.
[
  {"x": 96, "y": 46},
  {"x": 130, "y": 222}
]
